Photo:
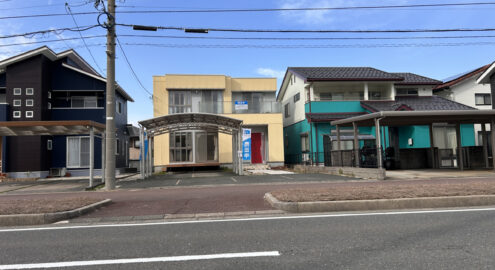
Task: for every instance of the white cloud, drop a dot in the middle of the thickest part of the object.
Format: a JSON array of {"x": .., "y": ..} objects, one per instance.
[
  {"x": 327, "y": 17},
  {"x": 309, "y": 17},
  {"x": 270, "y": 72}
]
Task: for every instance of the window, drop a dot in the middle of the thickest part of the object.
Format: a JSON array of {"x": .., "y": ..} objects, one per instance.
[
  {"x": 29, "y": 91},
  {"x": 17, "y": 91},
  {"x": 344, "y": 145},
  {"x": 17, "y": 114},
  {"x": 17, "y": 103},
  {"x": 49, "y": 106},
  {"x": 77, "y": 152},
  {"x": 29, "y": 114},
  {"x": 29, "y": 102},
  {"x": 117, "y": 147},
  {"x": 49, "y": 144},
  {"x": 407, "y": 92},
  {"x": 181, "y": 147},
  {"x": 297, "y": 97},
  {"x": 118, "y": 106},
  {"x": 137, "y": 144},
  {"x": 374, "y": 95},
  {"x": 287, "y": 112},
  {"x": 480, "y": 140},
  {"x": 304, "y": 142},
  {"x": 179, "y": 102},
  {"x": 49, "y": 94},
  {"x": 84, "y": 102},
  {"x": 483, "y": 99}
]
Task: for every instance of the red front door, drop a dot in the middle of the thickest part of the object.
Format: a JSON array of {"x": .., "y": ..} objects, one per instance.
[{"x": 256, "y": 142}]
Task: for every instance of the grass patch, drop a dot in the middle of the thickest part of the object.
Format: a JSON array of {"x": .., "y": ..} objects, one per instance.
[
  {"x": 38, "y": 206},
  {"x": 372, "y": 191}
]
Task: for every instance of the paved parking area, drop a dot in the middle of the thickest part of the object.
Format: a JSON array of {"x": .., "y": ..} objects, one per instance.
[{"x": 224, "y": 178}]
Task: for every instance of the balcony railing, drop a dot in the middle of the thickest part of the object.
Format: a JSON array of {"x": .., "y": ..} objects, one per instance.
[{"x": 227, "y": 107}]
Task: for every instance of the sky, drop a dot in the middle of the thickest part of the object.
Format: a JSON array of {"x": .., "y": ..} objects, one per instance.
[{"x": 151, "y": 56}]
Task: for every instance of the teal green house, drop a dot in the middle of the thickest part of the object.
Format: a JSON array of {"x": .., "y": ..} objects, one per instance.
[{"x": 313, "y": 97}]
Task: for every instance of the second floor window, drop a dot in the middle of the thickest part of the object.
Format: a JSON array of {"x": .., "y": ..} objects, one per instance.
[
  {"x": 483, "y": 99},
  {"x": 206, "y": 101},
  {"x": 287, "y": 111},
  {"x": 84, "y": 102}
]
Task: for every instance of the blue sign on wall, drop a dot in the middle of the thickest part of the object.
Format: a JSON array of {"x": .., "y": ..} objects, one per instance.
[
  {"x": 246, "y": 144},
  {"x": 240, "y": 105}
]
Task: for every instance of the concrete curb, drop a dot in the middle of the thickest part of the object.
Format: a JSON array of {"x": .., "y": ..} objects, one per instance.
[
  {"x": 181, "y": 217},
  {"x": 381, "y": 204},
  {"x": 47, "y": 218}
]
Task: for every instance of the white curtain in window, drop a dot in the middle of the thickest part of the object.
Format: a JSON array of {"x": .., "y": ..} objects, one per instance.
[
  {"x": 73, "y": 152},
  {"x": 84, "y": 152}
]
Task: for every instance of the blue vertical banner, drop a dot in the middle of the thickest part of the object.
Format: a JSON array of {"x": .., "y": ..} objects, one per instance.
[{"x": 246, "y": 144}]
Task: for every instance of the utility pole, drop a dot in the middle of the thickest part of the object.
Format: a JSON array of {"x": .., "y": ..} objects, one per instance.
[{"x": 110, "y": 99}]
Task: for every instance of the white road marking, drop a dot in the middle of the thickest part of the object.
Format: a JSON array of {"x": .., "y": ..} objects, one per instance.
[
  {"x": 286, "y": 177},
  {"x": 233, "y": 179},
  {"x": 142, "y": 260},
  {"x": 178, "y": 181},
  {"x": 252, "y": 219}
]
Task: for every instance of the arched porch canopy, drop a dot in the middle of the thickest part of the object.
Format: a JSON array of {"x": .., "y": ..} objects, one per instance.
[{"x": 190, "y": 121}]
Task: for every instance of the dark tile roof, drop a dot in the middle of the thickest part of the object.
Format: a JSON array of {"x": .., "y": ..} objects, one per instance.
[
  {"x": 326, "y": 117},
  {"x": 415, "y": 79},
  {"x": 344, "y": 74},
  {"x": 425, "y": 103}
]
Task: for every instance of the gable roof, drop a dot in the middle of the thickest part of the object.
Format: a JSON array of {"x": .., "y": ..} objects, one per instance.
[
  {"x": 47, "y": 52},
  {"x": 415, "y": 79},
  {"x": 344, "y": 74},
  {"x": 414, "y": 103},
  {"x": 464, "y": 76},
  {"x": 485, "y": 76}
]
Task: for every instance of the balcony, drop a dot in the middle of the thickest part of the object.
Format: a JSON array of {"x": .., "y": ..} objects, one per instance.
[{"x": 227, "y": 107}]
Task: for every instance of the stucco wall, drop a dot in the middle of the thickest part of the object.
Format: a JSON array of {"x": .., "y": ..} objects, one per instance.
[{"x": 273, "y": 122}]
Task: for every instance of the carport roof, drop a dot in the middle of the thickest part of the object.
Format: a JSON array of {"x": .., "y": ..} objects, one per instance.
[
  {"x": 189, "y": 121},
  {"x": 39, "y": 128},
  {"x": 408, "y": 118}
]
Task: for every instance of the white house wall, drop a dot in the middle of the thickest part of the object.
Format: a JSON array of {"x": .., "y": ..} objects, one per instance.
[
  {"x": 296, "y": 109},
  {"x": 464, "y": 93}
]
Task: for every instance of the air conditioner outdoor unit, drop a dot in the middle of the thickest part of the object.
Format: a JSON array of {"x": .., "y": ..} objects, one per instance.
[{"x": 57, "y": 171}]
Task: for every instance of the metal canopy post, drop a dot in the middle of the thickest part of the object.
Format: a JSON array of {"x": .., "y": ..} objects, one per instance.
[
  {"x": 356, "y": 144},
  {"x": 338, "y": 146},
  {"x": 239, "y": 157},
  {"x": 485, "y": 144},
  {"x": 379, "y": 162},
  {"x": 103, "y": 157},
  {"x": 152, "y": 154},
  {"x": 234, "y": 153},
  {"x": 492, "y": 131},
  {"x": 141, "y": 161},
  {"x": 460, "y": 156},
  {"x": 91, "y": 155},
  {"x": 432, "y": 148}
]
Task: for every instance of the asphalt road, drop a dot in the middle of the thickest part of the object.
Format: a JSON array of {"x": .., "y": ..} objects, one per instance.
[{"x": 435, "y": 240}]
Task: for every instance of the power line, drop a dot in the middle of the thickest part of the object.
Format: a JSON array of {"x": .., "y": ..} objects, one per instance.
[
  {"x": 132, "y": 70},
  {"x": 57, "y": 30},
  {"x": 206, "y": 30},
  {"x": 49, "y": 41},
  {"x": 258, "y": 10},
  {"x": 82, "y": 38},
  {"x": 250, "y": 38},
  {"x": 306, "y": 46},
  {"x": 308, "y": 38}
]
